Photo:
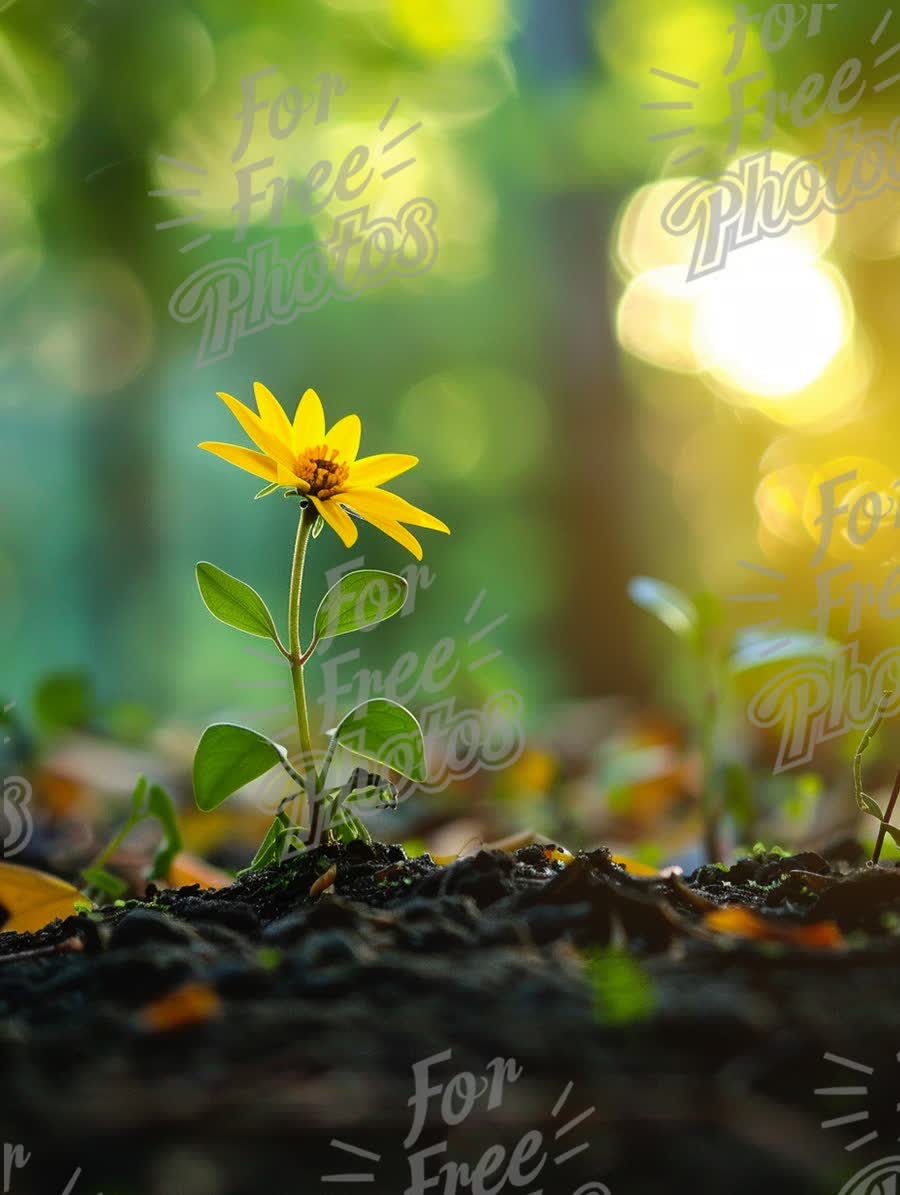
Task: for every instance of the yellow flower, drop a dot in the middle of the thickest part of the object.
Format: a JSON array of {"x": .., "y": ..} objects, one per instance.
[{"x": 324, "y": 467}]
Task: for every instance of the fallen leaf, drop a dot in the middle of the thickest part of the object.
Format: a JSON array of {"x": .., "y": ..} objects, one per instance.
[
  {"x": 742, "y": 923},
  {"x": 191, "y": 1004},
  {"x": 31, "y": 899},
  {"x": 516, "y": 842},
  {"x": 189, "y": 869},
  {"x": 324, "y": 881},
  {"x": 634, "y": 868}
]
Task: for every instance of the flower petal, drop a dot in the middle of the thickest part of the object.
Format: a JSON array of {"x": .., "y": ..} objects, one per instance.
[
  {"x": 244, "y": 458},
  {"x": 403, "y": 537},
  {"x": 309, "y": 422},
  {"x": 272, "y": 413},
  {"x": 344, "y": 436},
  {"x": 389, "y": 506},
  {"x": 338, "y": 520},
  {"x": 289, "y": 478},
  {"x": 258, "y": 433},
  {"x": 374, "y": 470}
]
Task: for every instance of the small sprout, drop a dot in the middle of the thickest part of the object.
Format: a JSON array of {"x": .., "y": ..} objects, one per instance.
[
  {"x": 761, "y": 851},
  {"x": 863, "y": 801},
  {"x": 148, "y": 802},
  {"x": 696, "y": 621},
  {"x": 321, "y": 469}
]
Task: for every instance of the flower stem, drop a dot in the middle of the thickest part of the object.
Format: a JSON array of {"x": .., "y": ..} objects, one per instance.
[
  {"x": 871, "y": 731},
  {"x": 305, "y": 526},
  {"x": 888, "y": 814}
]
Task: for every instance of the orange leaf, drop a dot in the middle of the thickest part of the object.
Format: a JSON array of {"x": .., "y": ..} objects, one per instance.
[
  {"x": 324, "y": 882},
  {"x": 742, "y": 923},
  {"x": 189, "y": 869},
  {"x": 554, "y": 855},
  {"x": 634, "y": 868},
  {"x": 191, "y": 1004},
  {"x": 32, "y": 899}
]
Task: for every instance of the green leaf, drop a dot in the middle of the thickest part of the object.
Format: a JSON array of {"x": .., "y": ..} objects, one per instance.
[
  {"x": 270, "y": 847},
  {"x": 64, "y": 701},
  {"x": 867, "y": 805},
  {"x": 266, "y": 490},
  {"x": 370, "y": 796},
  {"x": 227, "y": 758},
  {"x": 104, "y": 881},
  {"x": 381, "y": 794},
  {"x": 753, "y": 649},
  {"x": 386, "y": 732},
  {"x": 348, "y": 828},
  {"x": 234, "y": 603},
  {"x": 672, "y": 607},
  {"x": 360, "y": 599},
  {"x": 894, "y": 832},
  {"x": 317, "y": 528},
  {"x": 139, "y": 799},
  {"x": 161, "y": 806}
]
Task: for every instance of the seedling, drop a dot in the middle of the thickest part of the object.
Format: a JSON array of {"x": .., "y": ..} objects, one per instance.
[
  {"x": 716, "y": 663},
  {"x": 864, "y": 802},
  {"x": 148, "y": 802},
  {"x": 323, "y": 472}
]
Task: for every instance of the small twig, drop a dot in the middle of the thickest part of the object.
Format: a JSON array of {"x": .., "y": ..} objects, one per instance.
[
  {"x": 888, "y": 814},
  {"x": 67, "y": 946}
]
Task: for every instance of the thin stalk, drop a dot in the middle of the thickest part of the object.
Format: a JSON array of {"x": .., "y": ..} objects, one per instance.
[
  {"x": 710, "y": 800},
  {"x": 871, "y": 731},
  {"x": 888, "y": 814},
  {"x": 318, "y": 802},
  {"x": 115, "y": 842},
  {"x": 307, "y": 521}
]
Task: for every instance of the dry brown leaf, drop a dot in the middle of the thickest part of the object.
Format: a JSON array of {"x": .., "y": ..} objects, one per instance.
[
  {"x": 32, "y": 899},
  {"x": 742, "y": 923}
]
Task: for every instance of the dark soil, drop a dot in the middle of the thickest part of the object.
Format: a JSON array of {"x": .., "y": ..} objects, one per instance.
[{"x": 695, "y": 1054}]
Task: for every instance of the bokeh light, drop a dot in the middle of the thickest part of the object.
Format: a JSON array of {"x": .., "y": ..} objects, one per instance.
[
  {"x": 790, "y": 350},
  {"x": 450, "y": 26},
  {"x": 93, "y": 331},
  {"x": 767, "y": 339},
  {"x": 465, "y": 415}
]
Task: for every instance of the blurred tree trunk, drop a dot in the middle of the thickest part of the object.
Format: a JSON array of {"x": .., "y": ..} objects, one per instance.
[
  {"x": 108, "y": 219},
  {"x": 594, "y": 507},
  {"x": 596, "y": 503}
]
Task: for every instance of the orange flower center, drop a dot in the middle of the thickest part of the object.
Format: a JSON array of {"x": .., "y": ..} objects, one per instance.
[{"x": 322, "y": 470}]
